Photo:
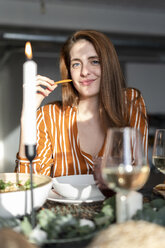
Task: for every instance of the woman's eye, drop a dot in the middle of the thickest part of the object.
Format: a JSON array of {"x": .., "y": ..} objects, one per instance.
[
  {"x": 95, "y": 62},
  {"x": 75, "y": 65}
]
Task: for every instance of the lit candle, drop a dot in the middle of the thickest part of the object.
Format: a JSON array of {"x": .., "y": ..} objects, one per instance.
[{"x": 29, "y": 97}]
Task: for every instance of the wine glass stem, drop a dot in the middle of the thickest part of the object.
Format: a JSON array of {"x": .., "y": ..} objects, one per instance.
[{"x": 121, "y": 207}]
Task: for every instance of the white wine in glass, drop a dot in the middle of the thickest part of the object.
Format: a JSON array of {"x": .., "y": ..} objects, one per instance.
[
  {"x": 124, "y": 167},
  {"x": 158, "y": 153},
  {"x": 124, "y": 180}
]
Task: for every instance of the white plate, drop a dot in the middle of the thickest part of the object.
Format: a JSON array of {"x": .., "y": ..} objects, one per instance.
[
  {"x": 81, "y": 187},
  {"x": 52, "y": 196}
]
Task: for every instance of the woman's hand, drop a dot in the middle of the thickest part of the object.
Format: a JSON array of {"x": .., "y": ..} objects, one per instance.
[{"x": 44, "y": 86}]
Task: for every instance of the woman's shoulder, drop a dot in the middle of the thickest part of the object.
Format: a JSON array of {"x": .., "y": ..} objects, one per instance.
[
  {"x": 46, "y": 108},
  {"x": 55, "y": 107},
  {"x": 133, "y": 95},
  {"x": 132, "y": 92}
]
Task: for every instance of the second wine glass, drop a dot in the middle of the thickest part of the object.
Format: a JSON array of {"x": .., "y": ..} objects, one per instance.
[
  {"x": 124, "y": 166},
  {"x": 158, "y": 153}
]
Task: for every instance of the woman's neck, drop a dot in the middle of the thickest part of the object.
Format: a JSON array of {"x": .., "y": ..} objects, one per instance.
[{"x": 88, "y": 108}]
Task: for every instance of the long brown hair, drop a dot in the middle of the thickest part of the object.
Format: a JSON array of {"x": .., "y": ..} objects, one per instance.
[{"x": 111, "y": 96}]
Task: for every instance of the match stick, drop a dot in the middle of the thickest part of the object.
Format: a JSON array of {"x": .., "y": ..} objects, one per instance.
[{"x": 63, "y": 81}]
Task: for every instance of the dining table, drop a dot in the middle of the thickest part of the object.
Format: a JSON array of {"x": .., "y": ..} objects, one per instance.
[{"x": 89, "y": 210}]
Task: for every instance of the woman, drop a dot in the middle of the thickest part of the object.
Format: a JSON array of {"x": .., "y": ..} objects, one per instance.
[{"x": 71, "y": 133}]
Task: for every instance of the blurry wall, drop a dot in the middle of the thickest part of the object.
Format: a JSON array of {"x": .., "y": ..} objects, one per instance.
[
  {"x": 74, "y": 14},
  {"x": 149, "y": 78}
]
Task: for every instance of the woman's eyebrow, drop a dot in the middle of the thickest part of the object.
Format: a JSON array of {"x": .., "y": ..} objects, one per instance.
[
  {"x": 90, "y": 57},
  {"x": 75, "y": 59},
  {"x": 93, "y": 57}
]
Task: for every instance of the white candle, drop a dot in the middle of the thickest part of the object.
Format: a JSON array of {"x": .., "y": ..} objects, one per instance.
[{"x": 29, "y": 97}]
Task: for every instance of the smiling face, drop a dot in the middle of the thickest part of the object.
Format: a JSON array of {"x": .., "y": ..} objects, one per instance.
[{"x": 85, "y": 69}]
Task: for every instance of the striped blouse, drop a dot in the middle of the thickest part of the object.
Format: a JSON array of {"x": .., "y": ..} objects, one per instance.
[{"x": 58, "y": 148}]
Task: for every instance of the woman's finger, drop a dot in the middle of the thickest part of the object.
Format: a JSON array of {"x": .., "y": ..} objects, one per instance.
[
  {"x": 46, "y": 79},
  {"x": 46, "y": 85},
  {"x": 44, "y": 91}
]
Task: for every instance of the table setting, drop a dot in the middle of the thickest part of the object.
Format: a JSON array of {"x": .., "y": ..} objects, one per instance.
[
  {"x": 101, "y": 213},
  {"x": 72, "y": 211},
  {"x": 97, "y": 216}
]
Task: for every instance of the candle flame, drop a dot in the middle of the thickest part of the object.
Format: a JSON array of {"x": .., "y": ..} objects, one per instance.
[{"x": 28, "y": 50}]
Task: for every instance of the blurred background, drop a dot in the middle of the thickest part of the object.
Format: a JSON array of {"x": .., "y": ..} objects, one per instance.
[{"x": 136, "y": 28}]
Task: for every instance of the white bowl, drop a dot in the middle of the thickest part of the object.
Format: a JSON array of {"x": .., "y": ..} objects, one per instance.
[
  {"x": 81, "y": 187},
  {"x": 18, "y": 203}
]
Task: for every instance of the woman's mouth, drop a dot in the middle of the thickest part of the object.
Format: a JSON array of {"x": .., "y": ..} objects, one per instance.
[{"x": 87, "y": 82}]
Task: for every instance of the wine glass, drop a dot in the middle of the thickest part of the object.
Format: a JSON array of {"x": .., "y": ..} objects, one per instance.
[
  {"x": 158, "y": 153},
  {"x": 124, "y": 167}
]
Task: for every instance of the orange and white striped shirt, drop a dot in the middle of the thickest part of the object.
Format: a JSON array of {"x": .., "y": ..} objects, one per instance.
[{"x": 58, "y": 148}]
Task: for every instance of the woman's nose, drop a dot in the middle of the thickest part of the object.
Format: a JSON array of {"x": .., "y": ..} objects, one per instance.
[{"x": 84, "y": 70}]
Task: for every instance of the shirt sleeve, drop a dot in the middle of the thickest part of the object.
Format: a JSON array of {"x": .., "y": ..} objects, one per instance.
[
  {"x": 137, "y": 115},
  {"x": 42, "y": 163}
]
